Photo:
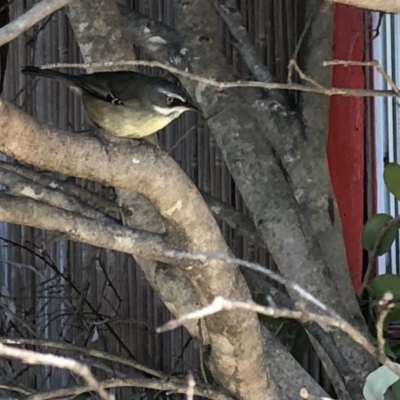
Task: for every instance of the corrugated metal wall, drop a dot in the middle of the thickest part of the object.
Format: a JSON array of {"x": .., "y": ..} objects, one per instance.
[
  {"x": 94, "y": 297},
  {"x": 386, "y": 51}
]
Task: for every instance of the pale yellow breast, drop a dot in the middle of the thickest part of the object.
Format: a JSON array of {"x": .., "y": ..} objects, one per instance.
[{"x": 123, "y": 121}]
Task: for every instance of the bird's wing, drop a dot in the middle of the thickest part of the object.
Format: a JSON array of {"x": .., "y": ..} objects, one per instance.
[
  {"x": 116, "y": 87},
  {"x": 95, "y": 84}
]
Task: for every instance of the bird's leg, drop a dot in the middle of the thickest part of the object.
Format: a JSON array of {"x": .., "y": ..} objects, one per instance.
[
  {"x": 149, "y": 141},
  {"x": 104, "y": 143}
]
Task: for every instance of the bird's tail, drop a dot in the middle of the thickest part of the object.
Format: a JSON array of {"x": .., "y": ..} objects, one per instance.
[
  {"x": 67, "y": 79},
  {"x": 47, "y": 73}
]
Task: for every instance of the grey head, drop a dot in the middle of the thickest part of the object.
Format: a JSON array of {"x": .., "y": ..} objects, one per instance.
[{"x": 168, "y": 99}]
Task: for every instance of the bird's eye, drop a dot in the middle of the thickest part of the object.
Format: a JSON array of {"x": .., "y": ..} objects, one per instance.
[{"x": 170, "y": 100}]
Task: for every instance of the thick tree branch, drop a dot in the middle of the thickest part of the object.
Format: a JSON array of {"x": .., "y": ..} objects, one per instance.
[
  {"x": 18, "y": 185},
  {"x": 23, "y": 211},
  {"x": 190, "y": 225},
  {"x": 30, "y": 18},
  {"x": 388, "y": 6},
  {"x": 105, "y": 41},
  {"x": 44, "y": 179}
]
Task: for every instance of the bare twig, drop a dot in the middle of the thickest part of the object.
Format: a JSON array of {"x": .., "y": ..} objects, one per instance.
[
  {"x": 204, "y": 257},
  {"x": 293, "y": 61},
  {"x": 299, "y": 43},
  {"x": 384, "y": 306},
  {"x": 30, "y": 18},
  {"x": 293, "y": 66},
  {"x": 17, "y": 389},
  {"x": 170, "y": 386},
  {"x": 302, "y": 315},
  {"x": 230, "y": 85},
  {"x": 191, "y": 384},
  {"x": 34, "y": 358},
  {"x": 373, "y": 63},
  {"x": 374, "y": 253},
  {"x": 85, "y": 351}
]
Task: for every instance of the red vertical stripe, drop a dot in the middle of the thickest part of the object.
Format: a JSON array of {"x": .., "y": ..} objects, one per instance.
[{"x": 346, "y": 134}]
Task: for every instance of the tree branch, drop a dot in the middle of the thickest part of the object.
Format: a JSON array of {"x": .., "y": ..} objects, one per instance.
[
  {"x": 30, "y": 18},
  {"x": 302, "y": 315},
  {"x": 45, "y": 179},
  {"x": 389, "y": 6},
  {"x": 165, "y": 382},
  {"x": 23, "y": 211},
  {"x": 223, "y": 85},
  {"x": 190, "y": 225},
  {"x": 171, "y": 386},
  {"x": 18, "y": 185},
  {"x": 34, "y": 358}
]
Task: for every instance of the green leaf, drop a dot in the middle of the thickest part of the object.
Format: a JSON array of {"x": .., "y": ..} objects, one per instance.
[
  {"x": 378, "y": 382},
  {"x": 384, "y": 283},
  {"x": 391, "y": 176},
  {"x": 373, "y": 228},
  {"x": 395, "y": 388}
]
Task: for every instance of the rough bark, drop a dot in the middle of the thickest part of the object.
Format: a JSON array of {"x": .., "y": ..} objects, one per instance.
[
  {"x": 242, "y": 356},
  {"x": 99, "y": 40},
  {"x": 236, "y": 344},
  {"x": 290, "y": 210}
]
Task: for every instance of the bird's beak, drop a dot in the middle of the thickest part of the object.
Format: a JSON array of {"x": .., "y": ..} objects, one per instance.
[{"x": 191, "y": 107}]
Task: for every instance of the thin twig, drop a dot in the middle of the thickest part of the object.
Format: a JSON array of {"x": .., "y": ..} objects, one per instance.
[
  {"x": 230, "y": 85},
  {"x": 299, "y": 44},
  {"x": 17, "y": 389},
  {"x": 294, "y": 66},
  {"x": 373, "y": 63},
  {"x": 85, "y": 351},
  {"x": 34, "y": 358},
  {"x": 31, "y": 17},
  {"x": 172, "y": 385},
  {"x": 384, "y": 306},
  {"x": 302, "y": 315},
  {"x": 191, "y": 384},
  {"x": 204, "y": 257}
]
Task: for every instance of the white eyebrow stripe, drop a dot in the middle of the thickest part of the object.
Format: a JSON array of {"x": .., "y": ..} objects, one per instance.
[{"x": 172, "y": 94}]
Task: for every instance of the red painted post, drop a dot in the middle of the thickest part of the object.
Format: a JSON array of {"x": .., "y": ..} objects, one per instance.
[{"x": 346, "y": 134}]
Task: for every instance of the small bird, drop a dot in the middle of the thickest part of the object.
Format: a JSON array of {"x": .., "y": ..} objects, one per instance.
[{"x": 124, "y": 103}]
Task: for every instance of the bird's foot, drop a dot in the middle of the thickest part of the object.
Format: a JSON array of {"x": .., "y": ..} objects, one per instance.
[
  {"x": 152, "y": 145},
  {"x": 105, "y": 144}
]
